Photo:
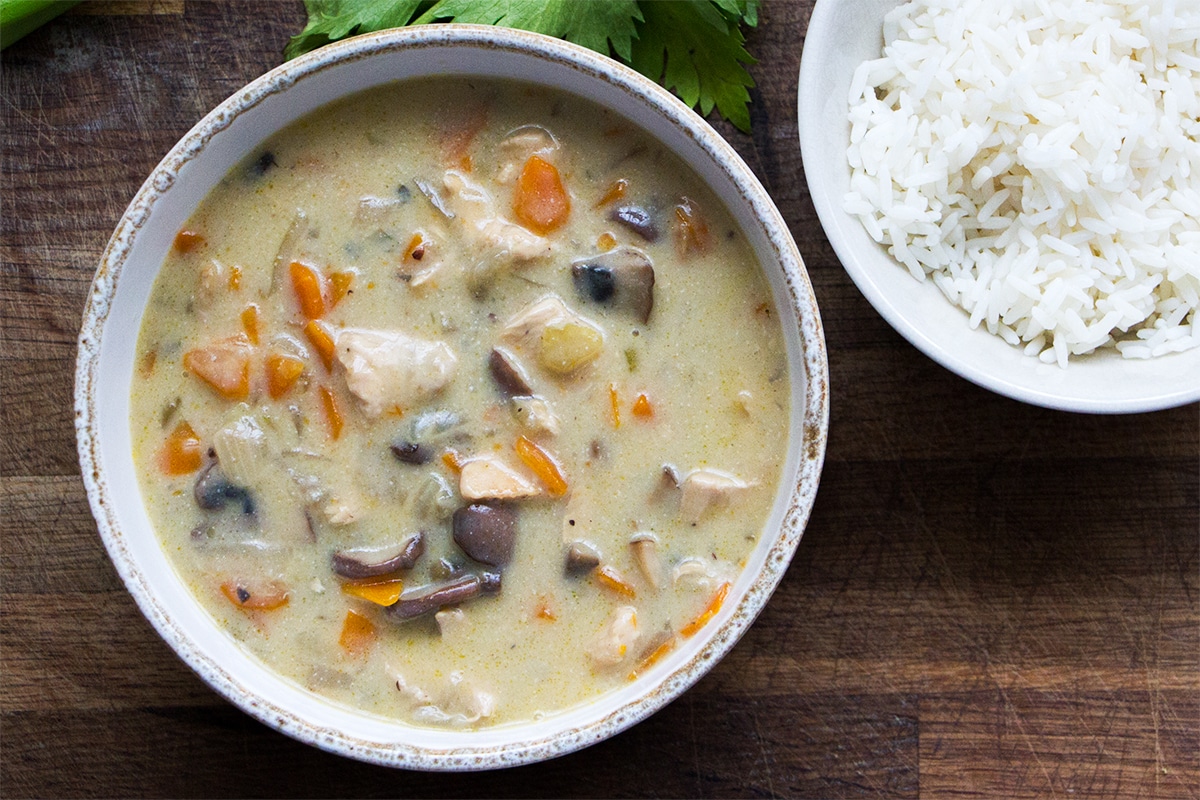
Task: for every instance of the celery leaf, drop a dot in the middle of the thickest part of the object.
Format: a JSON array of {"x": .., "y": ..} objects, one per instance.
[
  {"x": 331, "y": 20},
  {"x": 692, "y": 48},
  {"x": 592, "y": 24}
]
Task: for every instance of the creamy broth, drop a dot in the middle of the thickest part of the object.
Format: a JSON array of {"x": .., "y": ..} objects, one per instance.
[{"x": 460, "y": 310}]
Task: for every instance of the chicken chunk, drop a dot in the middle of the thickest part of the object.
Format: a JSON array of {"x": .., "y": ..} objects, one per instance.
[
  {"x": 386, "y": 369},
  {"x": 704, "y": 489},
  {"x": 475, "y": 208},
  {"x": 487, "y": 477},
  {"x": 519, "y": 145},
  {"x": 615, "y": 640},
  {"x": 224, "y": 365},
  {"x": 458, "y": 702}
]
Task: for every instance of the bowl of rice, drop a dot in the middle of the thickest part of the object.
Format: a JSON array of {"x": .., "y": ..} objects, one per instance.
[{"x": 1015, "y": 187}]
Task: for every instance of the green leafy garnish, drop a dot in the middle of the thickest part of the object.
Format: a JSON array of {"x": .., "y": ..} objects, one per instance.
[
  {"x": 19, "y": 17},
  {"x": 692, "y": 47}
]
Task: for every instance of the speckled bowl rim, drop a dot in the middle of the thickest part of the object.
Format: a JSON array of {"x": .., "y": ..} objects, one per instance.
[{"x": 807, "y": 444}]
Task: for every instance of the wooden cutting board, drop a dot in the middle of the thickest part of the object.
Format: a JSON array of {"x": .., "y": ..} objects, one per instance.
[{"x": 991, "y": 599}]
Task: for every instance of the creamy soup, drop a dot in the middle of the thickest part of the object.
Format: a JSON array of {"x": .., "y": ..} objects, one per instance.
[{"x": 460, "y": 402}]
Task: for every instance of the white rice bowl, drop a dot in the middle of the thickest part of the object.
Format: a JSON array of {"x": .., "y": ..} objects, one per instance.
[{"x": 1038, "y": 162}]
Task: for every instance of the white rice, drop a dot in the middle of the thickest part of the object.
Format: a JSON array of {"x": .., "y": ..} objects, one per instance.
[{"x": 1039, "y": 161}]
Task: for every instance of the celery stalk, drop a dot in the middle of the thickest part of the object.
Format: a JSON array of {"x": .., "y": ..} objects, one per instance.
[{"x": 19, "y": 17}]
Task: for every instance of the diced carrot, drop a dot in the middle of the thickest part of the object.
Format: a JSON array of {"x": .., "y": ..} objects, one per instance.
[
  {"x": 358, "y": 634},
  {"x": 416, "y": 247},
  {"x": 614, "y": 405},
  {"x": 544, "y": 609},
  {"x": 250, "y": 323},
  {"x": 452, "y": 461},
  {"x": 267, "y": 597},
  {"x": 710, "y": 611},
  {"x": 148, "y": 361},
  {"x": 642, "y": 408},
  {"x": 543, "y": 465},
  {"x": 606, "y": 241},
  {"x": 339, "y": 286},
  {"x": 610, "y": 579},
  {"x": 186, "y": 241},
  {"x": 381, "y": 593},
  {"x": 235, "y": 278},
  {"x": 333, "y": 414},
  {"x": 540, "y": 202},
  {"x": 282, "y": 373},
  {"x": 691, "y": 230},
  {"x": 182, "y": 453},
  {"x": 654, "y": 656},
  {"x": 614, "y": 193},
  {"x": 322, "y": 341},
  {"x": 306, "y": 282},
  {"x": 224, "y": 365}
]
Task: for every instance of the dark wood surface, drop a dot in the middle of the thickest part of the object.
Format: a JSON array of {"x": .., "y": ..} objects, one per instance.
[{"x": 991, "y": 600}]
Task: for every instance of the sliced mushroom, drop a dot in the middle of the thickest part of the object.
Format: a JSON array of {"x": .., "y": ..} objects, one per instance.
[
  {"x": 261, "y": 165},
  {"x": 623, "y": 278},
  {"x": 434, "y": 197},
  {"x": 436, "y": 426},
  {"x": 355, "y": 564},
  {"x": 376, "y": 210},
  {"x": 582, "y": 558},
  {"x": 486, "y": 533},
  {"x": 636, "y": 219},
  {"x": 645, "y": 551},
  {"x": 213, "y": 491},
  {"x": 411, "y": 452},
  {"x": 430, "y": 599},
  {"x": 487, "y": 477},
  {"x": 670, "y": 476},
  {"x": 432, "y": 498},
  {"x": 507, "y": 373}
]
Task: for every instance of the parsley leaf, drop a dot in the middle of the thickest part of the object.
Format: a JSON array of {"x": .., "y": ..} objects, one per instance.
[{"x": 692, "y": 47}]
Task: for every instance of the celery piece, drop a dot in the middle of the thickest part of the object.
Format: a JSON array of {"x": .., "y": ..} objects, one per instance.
[{"x": 19, "y": 17}]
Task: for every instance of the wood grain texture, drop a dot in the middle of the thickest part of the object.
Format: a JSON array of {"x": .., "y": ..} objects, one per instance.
[{"x": 991, "y": 600}]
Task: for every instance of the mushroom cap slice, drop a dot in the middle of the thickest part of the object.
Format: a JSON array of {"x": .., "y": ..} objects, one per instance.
[
  {"x": 622, "y": 278},
  {"x": 487, "y": 533}
]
